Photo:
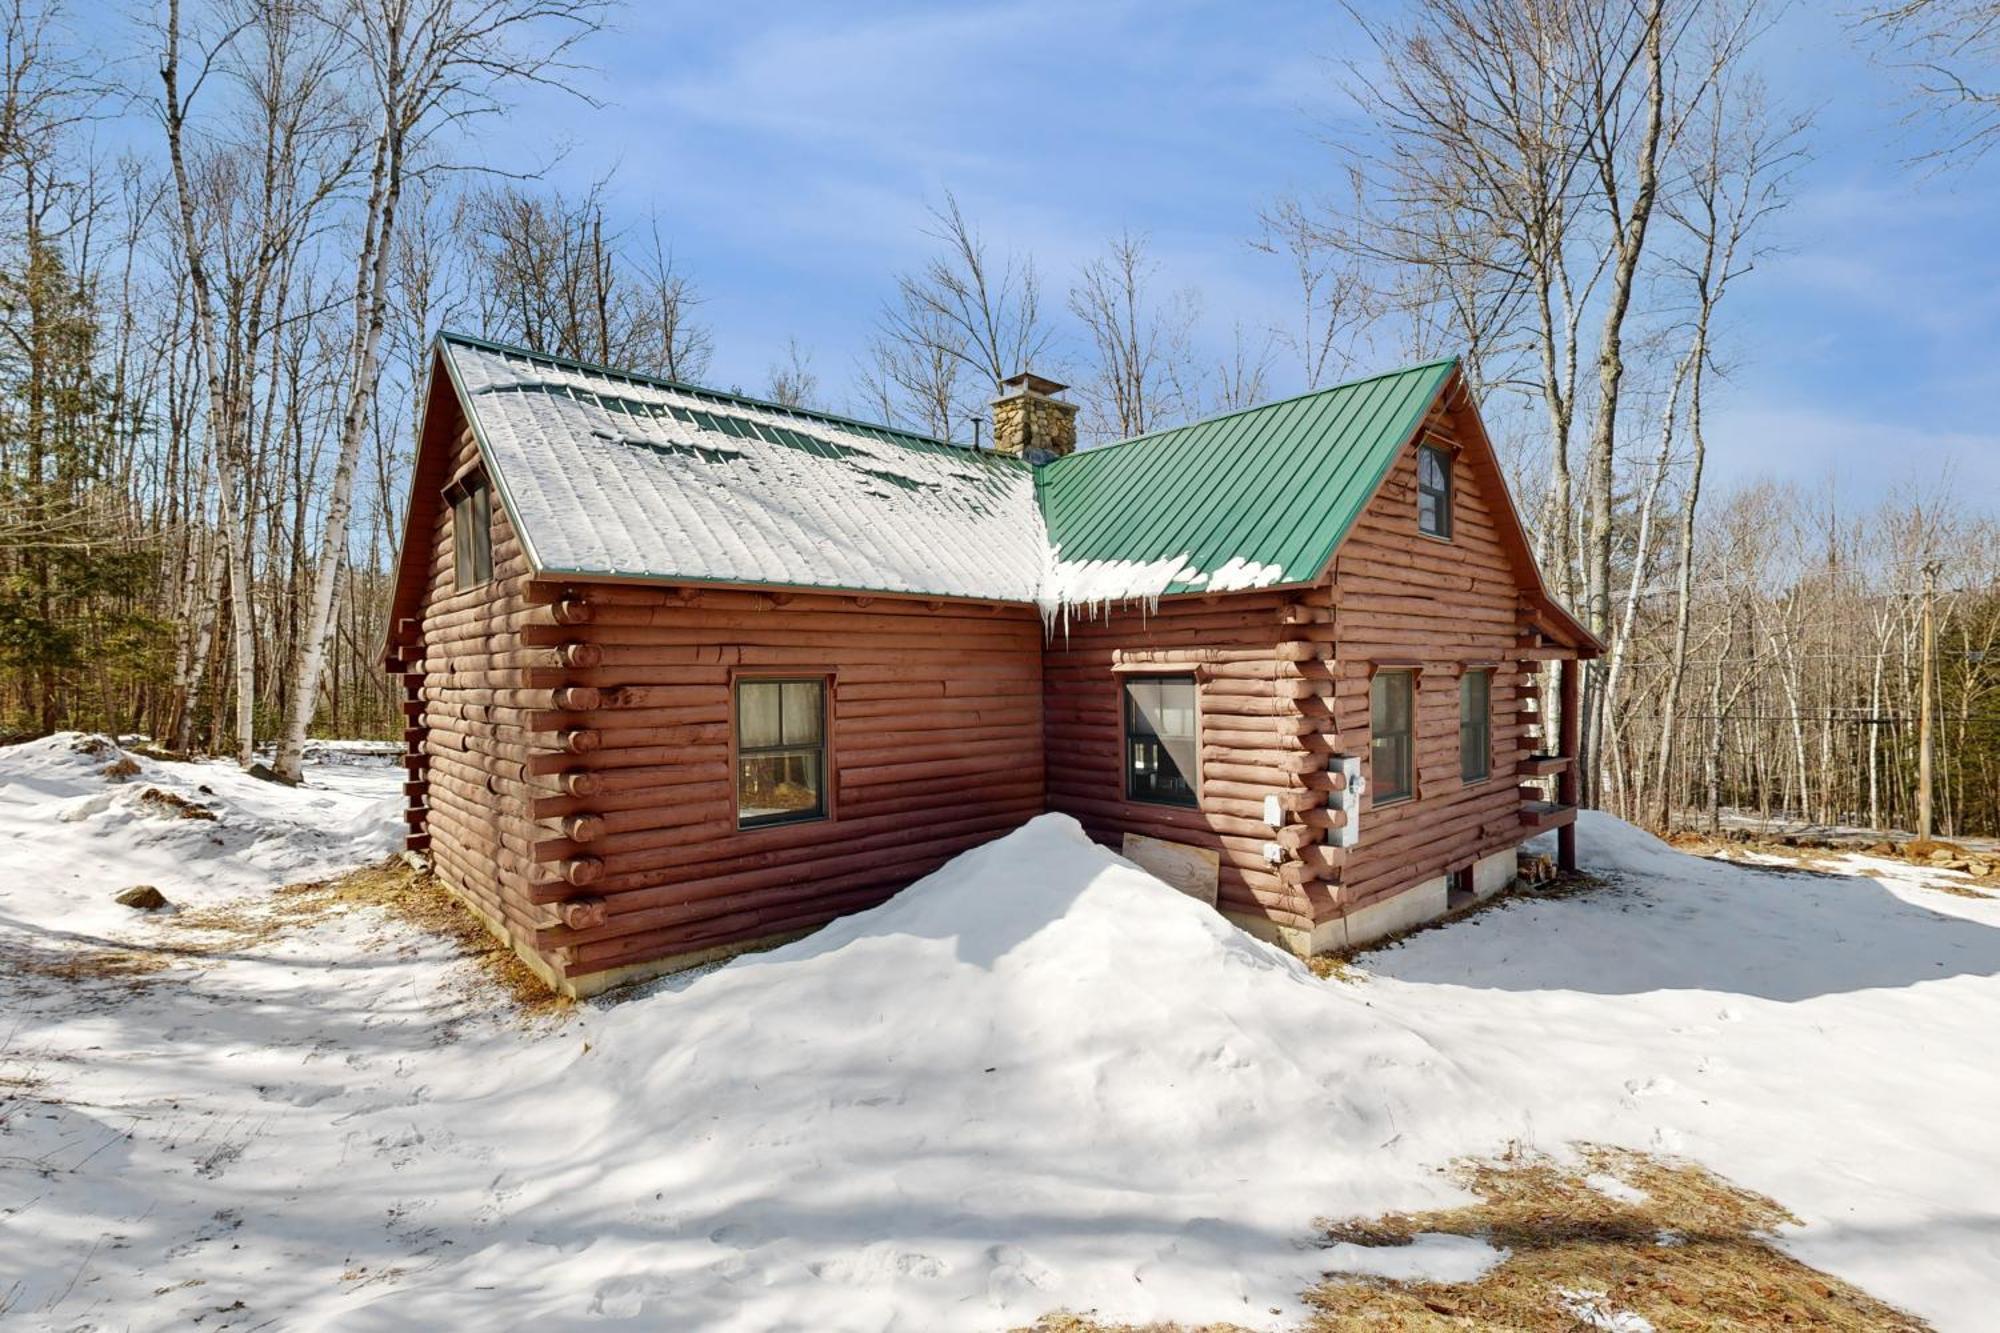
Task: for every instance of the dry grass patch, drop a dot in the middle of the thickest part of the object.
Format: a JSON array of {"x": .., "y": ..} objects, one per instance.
[
  {"x": 1079, "y": 1323},
  {"x": 172, "y": 805},
  {"x": 1682, "y": 1249},
  {"x": 401, "y": 894},
  {"x": 1957, "y": 890},
  {"x": 1688, "y": 1251},
  {"x": 1971, "y": 876},
  {"x": 125, "y": 969},
  {"x": 1336, "y": 967}
]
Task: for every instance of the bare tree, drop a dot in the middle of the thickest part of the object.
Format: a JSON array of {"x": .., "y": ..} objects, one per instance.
[
  {"x": 1332, "y": 303},
  {"x": 917, "y": 372},
  {"x": 240, "y": 234},
  {"x": 1241, "y": 377},
  {"x": 1524, "y": 158},
  {"x": 793, "y": 381},
  {"x": 957, "y": 326},
  {"x": 685, "y": 346},
  {"x": 1737, "y": 162},
  {"x": 1472, "y": 206},
  {"x": 1141, "y": 347},
  {"x": 432, "y": 64},
  {"x": 1952, "y": 50}
]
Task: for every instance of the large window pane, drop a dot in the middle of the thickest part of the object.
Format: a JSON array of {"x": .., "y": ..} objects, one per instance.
[
  {"x": 758, "y": 714},
  {"x": 1390, "y": 739},
  {"x": 780, "y": 750},
  {"x": 802, "y": 711},
  {"x": 1475, "y": 725},
  {"x": 1161, "y": 743},
  {"x": 778, "y": 786}
]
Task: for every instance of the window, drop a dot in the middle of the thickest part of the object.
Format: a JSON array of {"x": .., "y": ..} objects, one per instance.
[
  {"x": 1433, "y": 491},
  {"x": 471, "y": 534},
  {"x": 1391, "y": 751},
  {"x": 1475, "y": 726},
  {"x": 780, "y": 751},
  {"x": 1161, "y": 748}
]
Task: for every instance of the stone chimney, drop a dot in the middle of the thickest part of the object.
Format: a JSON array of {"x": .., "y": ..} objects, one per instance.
[{"x": 1030, "y": 422}]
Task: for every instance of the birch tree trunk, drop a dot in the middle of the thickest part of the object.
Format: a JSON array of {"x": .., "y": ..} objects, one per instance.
[
  {"x": 371, "y": 298},
  {"x": 222, "y": 421},
  {"x": 1630, "y": 242}
]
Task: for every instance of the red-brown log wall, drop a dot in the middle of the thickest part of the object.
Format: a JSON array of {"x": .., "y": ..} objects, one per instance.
[
  {"x": 934, "y": 746},
  {"x": 1250, "y": 693},
  {"x": 462, "y": 666},
  {"x": 1401, "y": 598}
]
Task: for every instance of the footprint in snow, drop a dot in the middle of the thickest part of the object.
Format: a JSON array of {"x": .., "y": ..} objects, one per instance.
[
  {"x": 1659, "y": 1086},
  {"x": 628, "y": 1296},
  {"x": 302, "y": 1094},
  {"x": 733, "y": 1235},
  {"x": 1014, "y": 1273},
  {"x": 878, "y": 1261}
]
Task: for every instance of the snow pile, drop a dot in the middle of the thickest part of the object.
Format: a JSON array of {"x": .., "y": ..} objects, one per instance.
[
  {"x": 82, "y": 818},
  {"x": 1038, "y": 1079}
]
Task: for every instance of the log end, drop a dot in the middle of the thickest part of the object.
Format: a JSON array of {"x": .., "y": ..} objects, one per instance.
[
  {"x": 583, "y": 828},
  {"x": 582, "y": 913}
]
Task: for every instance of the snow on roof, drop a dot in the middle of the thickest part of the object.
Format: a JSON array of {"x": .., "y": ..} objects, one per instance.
[{"x": 607, "y": 474}]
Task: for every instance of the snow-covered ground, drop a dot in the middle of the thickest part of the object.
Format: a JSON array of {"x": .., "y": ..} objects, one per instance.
[{"x": 1039, "y": 1079}]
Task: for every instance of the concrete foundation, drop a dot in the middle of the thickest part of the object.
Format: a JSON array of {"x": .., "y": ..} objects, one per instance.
[
  {"x": 1413, "y": 907},
  {"x": 1491, "y": 874}
]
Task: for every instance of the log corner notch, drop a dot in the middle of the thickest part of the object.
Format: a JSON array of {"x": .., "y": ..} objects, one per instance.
[
  {"x": 1308, "y": 676},
  {"x": 562, "y": 730},
  {"x": 404, "y": 656},
  {"x": 582, "y": 913}
]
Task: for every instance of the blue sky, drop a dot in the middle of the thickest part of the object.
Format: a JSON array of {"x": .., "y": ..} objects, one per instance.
[{"x": 790, "y": 151}]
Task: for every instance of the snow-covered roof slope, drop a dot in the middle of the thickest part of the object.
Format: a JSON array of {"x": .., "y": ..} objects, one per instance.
[
  {"x": 615, "y": 475},
  {"x": 611, "y": 475}
]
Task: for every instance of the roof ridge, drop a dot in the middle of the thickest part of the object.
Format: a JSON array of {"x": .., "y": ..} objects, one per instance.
[
  {"x": 1356, "y": 383},
  {"x": 681, "y": 386}
]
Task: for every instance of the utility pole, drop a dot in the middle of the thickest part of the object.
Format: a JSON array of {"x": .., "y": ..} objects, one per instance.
[{"x": 1924, "y": 706}]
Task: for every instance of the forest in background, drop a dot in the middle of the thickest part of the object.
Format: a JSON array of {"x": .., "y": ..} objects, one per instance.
[{"x": 212, "y": 342}]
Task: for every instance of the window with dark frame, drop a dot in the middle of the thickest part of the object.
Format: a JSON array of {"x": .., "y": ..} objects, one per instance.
[
  {"x": 780, "y": 750},
  {"x": 1475, "y": 726},
  {"x": 1162, "y": 748},
  {"x": 1434, "y": 491},
  {"x": 1391, "y": 738},
  {"x": 471, "y": 534}
]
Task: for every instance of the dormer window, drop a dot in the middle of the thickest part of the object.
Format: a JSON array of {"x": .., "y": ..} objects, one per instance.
[{"x": 1434, "y": 491}]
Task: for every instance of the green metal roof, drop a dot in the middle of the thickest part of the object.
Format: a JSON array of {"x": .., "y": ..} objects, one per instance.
[{"x": 1275, "y": 487}]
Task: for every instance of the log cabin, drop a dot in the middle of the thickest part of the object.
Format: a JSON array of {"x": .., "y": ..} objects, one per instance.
[{"x": 687, "y": 673}]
